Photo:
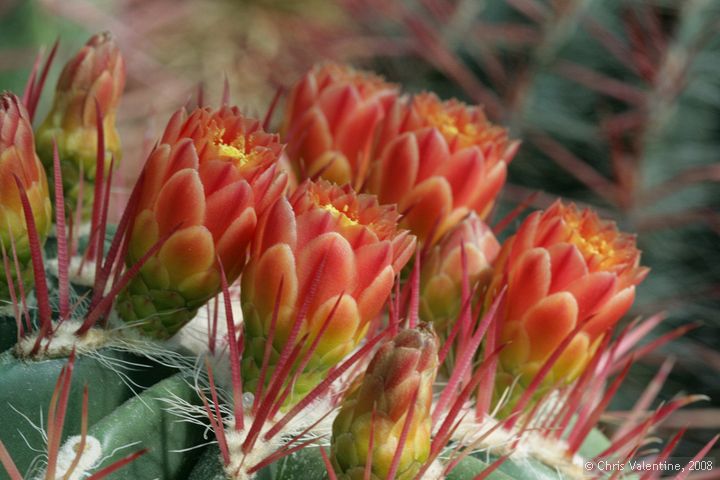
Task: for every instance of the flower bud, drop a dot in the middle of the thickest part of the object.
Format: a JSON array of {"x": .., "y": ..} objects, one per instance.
[
  {"x": 402, "y": 371},
  {"x": 18, "y": 158},
  {"x": 95, "y": 74},
  {"x": 468, "y": 250}
]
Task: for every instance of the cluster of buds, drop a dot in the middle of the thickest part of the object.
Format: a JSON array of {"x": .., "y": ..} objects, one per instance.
[
  {"x": 202, "y": 190},
  {"x": 93, "y": 80},
  {"x": 322, "y": 267},
  {"x": 19, "y": 166},
  {"x": 384, "y": 427},
  {"x": 567, "y": 273}
]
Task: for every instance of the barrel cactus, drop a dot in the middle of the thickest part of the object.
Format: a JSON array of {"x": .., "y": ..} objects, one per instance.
[{"x": 376, "y": 328}]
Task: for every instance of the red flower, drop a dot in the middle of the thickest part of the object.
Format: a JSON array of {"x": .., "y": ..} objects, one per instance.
[
  {"x": 563, "y": 268},
  {"x": 439, "y": 161},
  {"x": 205, "y": 184}
]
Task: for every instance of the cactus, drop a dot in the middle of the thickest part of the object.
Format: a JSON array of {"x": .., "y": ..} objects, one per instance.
[{"x": 330, "y": 373}]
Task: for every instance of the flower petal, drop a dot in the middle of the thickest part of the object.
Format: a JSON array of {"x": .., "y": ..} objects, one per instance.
[
  {"x": 549, "y": 322},
  {"x": 529, "y": 281},
  {"x": 181, "y": 202}
]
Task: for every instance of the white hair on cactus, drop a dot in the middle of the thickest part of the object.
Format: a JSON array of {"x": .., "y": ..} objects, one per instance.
[
  {"x": 62, "y": 341},
  {"x": 434, "y": 471},
  {"x": 321, "y": 413},
  {"x": 89, "y": 458},
  {"x": 488, "y": 437},
  {"x": 195, "y": 333}
]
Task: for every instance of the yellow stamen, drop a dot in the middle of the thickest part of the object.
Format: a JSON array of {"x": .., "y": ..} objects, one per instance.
[
  {"x": 451, "y": 128},
  {"x": 343, "y": 216},
  {"x": 596, "y": 245},
  {"x": 234, "y": 150}
]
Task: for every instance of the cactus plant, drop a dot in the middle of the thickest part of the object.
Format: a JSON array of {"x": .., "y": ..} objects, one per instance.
[{"x": 330, "y": 373}]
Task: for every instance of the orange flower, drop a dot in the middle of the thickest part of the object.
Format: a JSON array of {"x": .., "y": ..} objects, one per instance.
[
  {"x": 208, "y": 180},
  {"x": 95, "y": 73},
  {"x": 563, "y": 268},
  {"x": 18, "y": 157},
  {"x": 330, "y": 121},
  {"x": 328, "y": 248},
  {"x": 439, "y": 161}
]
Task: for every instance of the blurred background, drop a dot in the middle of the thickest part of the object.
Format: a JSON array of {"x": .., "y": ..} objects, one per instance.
[{"x": 617, "y": 103}]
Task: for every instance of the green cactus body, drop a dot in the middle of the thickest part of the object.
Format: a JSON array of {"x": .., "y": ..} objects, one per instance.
[
  {"x": 27, "y": 386},
  {"x": 304, "y": 464},
  {"x": 145, "y": 421}
]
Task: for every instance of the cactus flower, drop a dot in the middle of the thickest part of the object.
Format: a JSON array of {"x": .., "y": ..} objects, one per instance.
[
  {"x": 564, "y": 267},
  {"x": 439, "y": 161},
  {"x": 324, "y": 246},
  {"x": 18, "y": 157},
  {"x": 204, "y": 185},
  {"x": 330, "y": 121},
  {"x": 442, "y": 272},
  {"x": 95, "y": 73},
  {"x": 403, "y": 369}
]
